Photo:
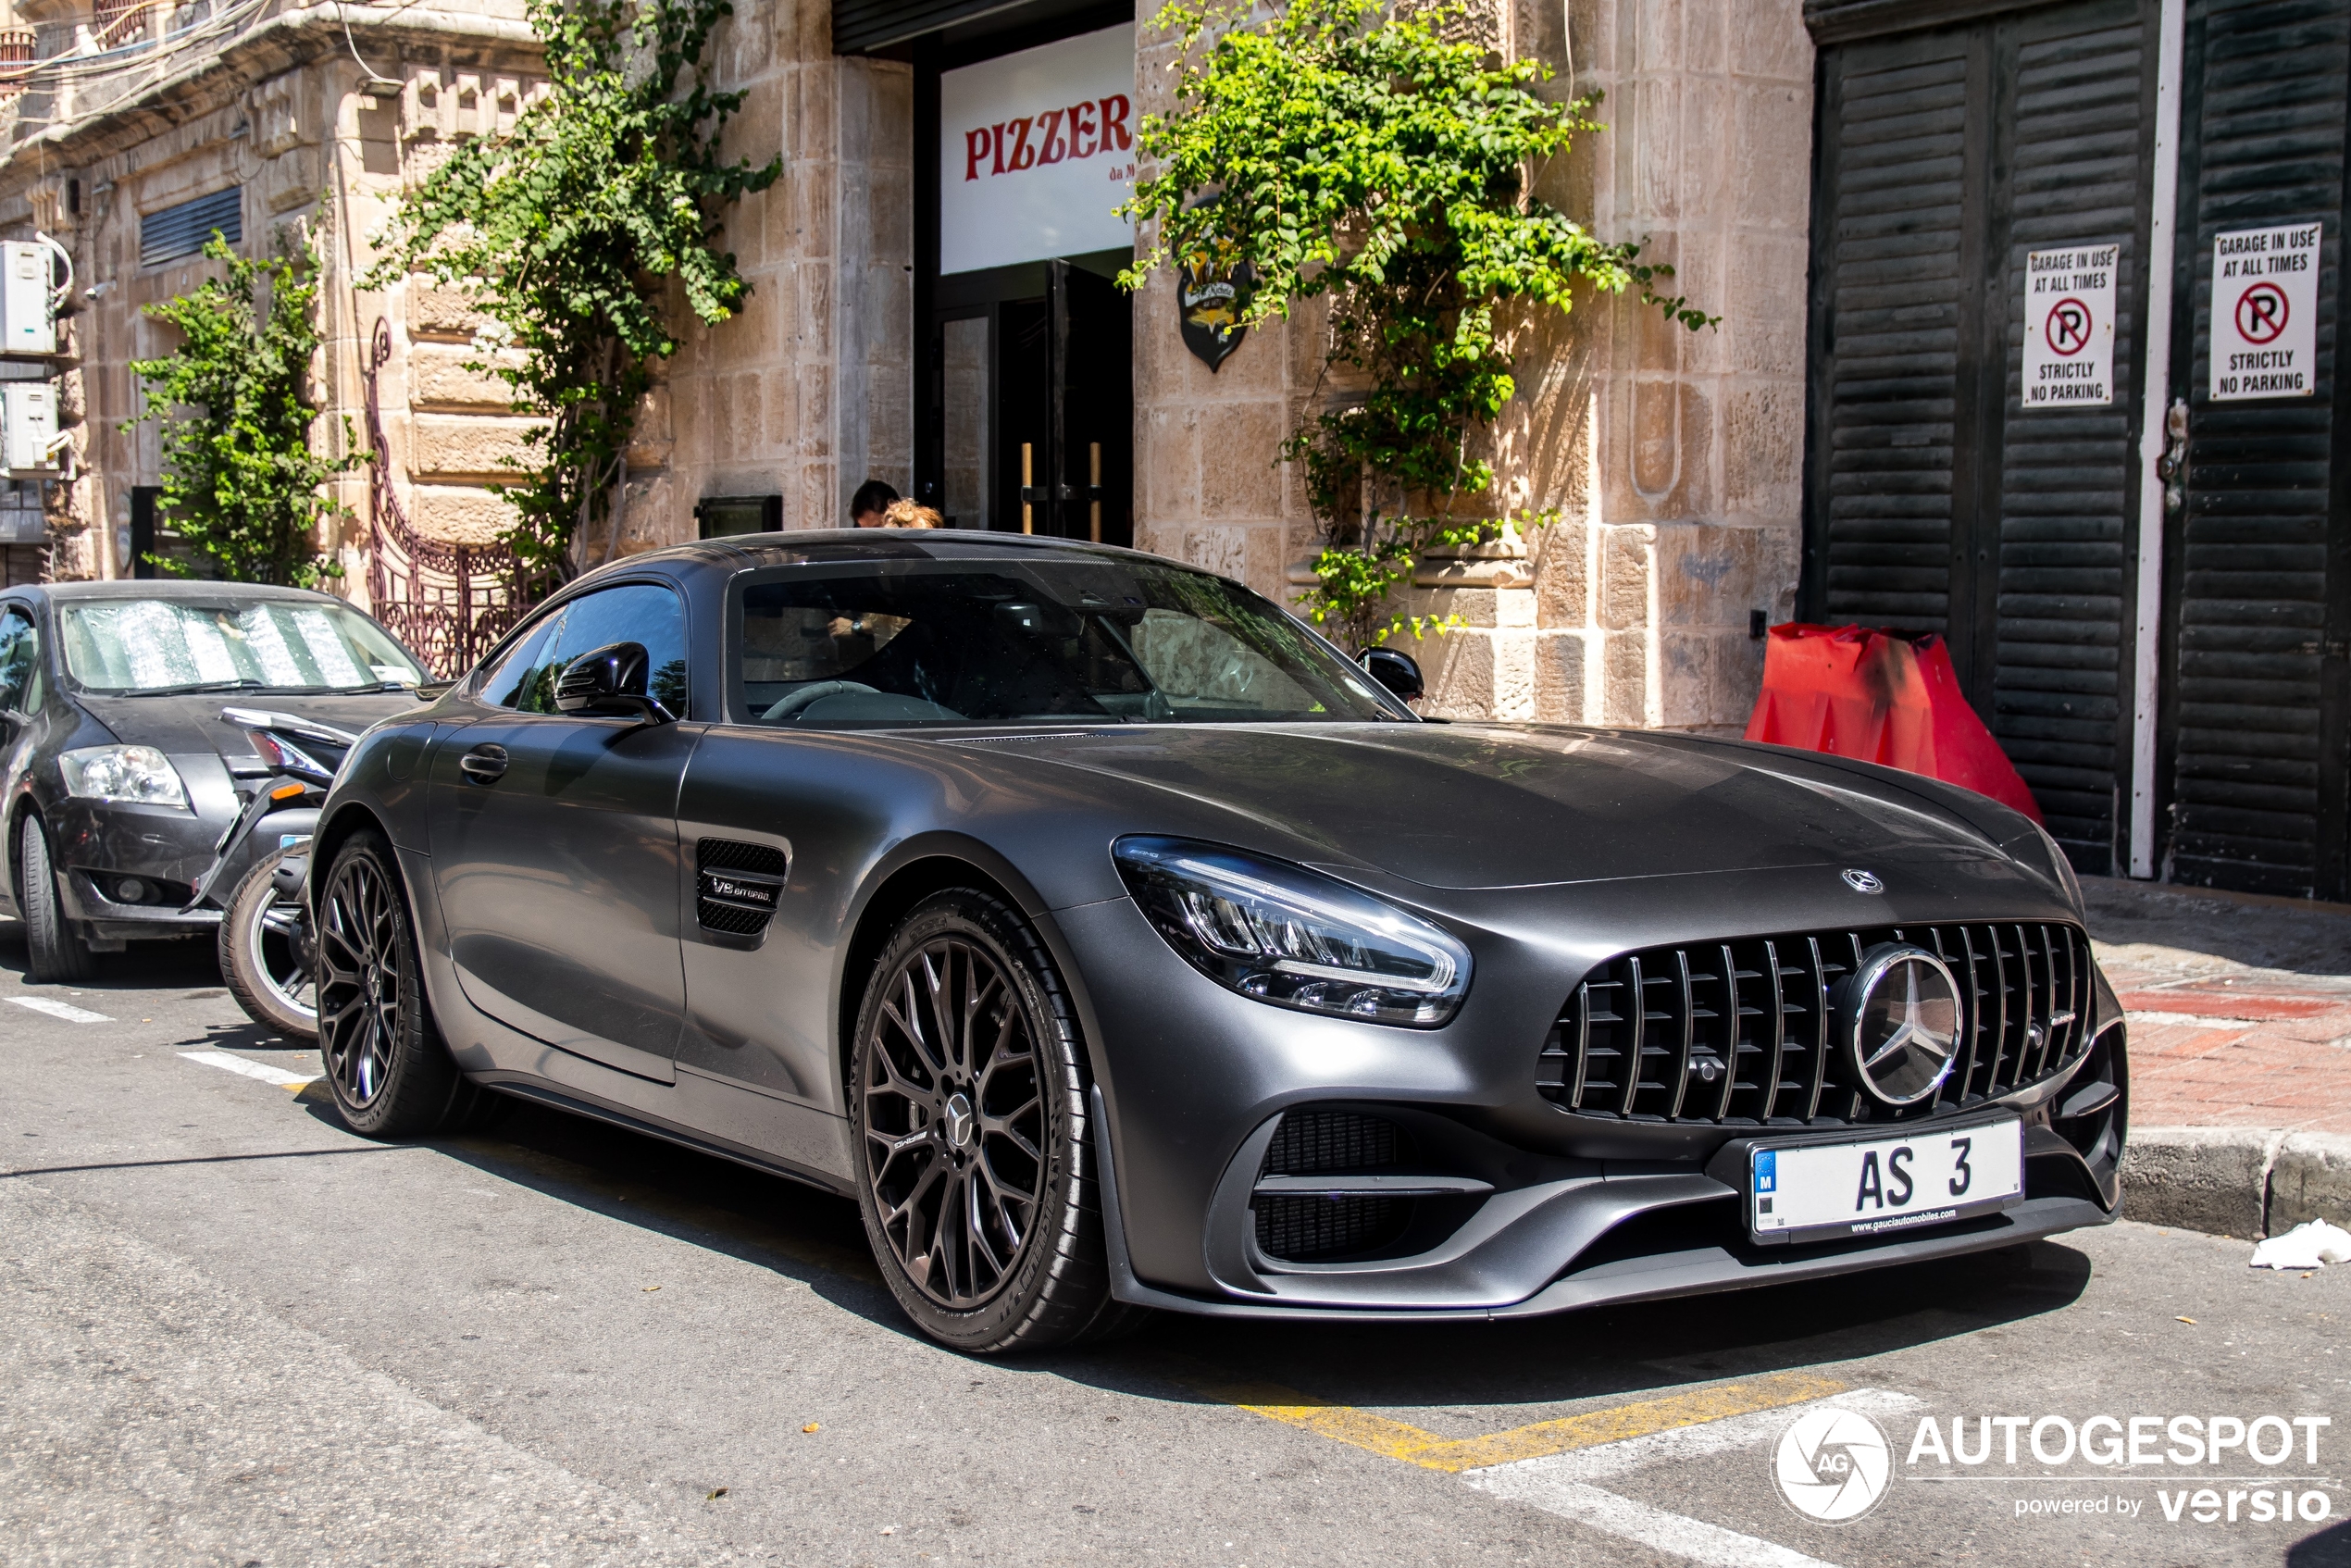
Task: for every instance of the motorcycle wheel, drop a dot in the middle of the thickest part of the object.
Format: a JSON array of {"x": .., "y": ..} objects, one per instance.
[{"x": 267, "y": 955}]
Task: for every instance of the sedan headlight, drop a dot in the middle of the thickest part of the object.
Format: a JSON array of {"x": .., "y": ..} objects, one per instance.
[
  {"x": 1294, "y": 938},
  {"x": 123, "y": 773}
]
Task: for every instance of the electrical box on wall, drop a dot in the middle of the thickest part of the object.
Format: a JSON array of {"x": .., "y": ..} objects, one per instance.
[
  {"x": 28, "y": 318},
  {"x": 28, "y": 425}
]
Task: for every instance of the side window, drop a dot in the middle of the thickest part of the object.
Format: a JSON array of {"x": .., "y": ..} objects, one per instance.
[
  {"x": 20, "y": 662},
  {"x": 523, "y": 678},
  {"x": 637, "y": 612}
]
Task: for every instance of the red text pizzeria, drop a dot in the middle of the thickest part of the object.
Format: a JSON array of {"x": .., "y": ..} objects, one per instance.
[{"x": 1082, "y": 131}]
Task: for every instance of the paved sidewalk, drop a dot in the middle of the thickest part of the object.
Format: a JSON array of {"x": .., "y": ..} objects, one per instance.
[{"x": 2240, "y": 1008}]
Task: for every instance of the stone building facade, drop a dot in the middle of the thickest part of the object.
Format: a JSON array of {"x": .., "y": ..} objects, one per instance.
[{"x": 1672, "y": 460}]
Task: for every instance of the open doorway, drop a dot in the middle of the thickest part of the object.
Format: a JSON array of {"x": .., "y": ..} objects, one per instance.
[{"x": 1026, "y": 392}]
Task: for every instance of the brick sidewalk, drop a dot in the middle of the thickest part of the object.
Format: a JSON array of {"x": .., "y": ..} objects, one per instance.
[
  {"x": 2254, "y": 1050},
  {"x": 2240, "y": 1009}
]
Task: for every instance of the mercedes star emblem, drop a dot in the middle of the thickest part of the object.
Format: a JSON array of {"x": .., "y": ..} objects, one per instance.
[
  {"x": 1902, "y": 1023},
  {"x": 1864, "y": 881}
]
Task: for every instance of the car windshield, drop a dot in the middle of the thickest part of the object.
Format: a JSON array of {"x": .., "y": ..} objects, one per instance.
[
  {"x": 157, "y": 645},
  {"x": 915, "y": 643}
]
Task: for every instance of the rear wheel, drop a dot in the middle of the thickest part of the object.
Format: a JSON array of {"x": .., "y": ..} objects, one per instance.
[
  {"x": 58, "y": 953},
  {"x": 267, "y": 956},
  {"x": 973, "y": 1171},
  {"x": 390, "y": 1073}
]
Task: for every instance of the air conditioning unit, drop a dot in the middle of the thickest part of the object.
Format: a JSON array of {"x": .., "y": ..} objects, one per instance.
[
  {"x": 28, "y": 425},
  {"x": 28, "y": 319}
]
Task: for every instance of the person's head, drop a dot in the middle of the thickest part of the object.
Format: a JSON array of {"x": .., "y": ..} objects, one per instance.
[
  {"x": 873, "y": 500},
  {"x": 907, "y": 514}
]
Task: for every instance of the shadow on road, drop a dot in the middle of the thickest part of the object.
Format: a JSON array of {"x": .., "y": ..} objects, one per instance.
[
  {"x": 177, "y": 964},
  {"x": 819, "y": 1240}
]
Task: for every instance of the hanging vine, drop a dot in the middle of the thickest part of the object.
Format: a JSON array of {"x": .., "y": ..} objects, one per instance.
[
  {"x": 570, "y": 230},
  {"x": 242, "y": 484},
  {"x": 1340, "y": 150}
]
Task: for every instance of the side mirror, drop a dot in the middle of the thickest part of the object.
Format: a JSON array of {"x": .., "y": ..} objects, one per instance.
[
  {"x": 1399, "y": 672},
  {"x": 610, "y": 683}
]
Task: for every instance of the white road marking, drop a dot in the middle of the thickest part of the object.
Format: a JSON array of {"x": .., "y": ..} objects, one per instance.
[
  {"x": 1563, "y": 1484},
  {"x": 65, "y": 1010},
  {"x": 267, "y": 1074}
]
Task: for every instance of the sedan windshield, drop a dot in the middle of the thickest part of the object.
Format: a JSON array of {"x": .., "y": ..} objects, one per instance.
[
  {"x": 157, "y": 645},
  {"x": 915, "y": 642}
]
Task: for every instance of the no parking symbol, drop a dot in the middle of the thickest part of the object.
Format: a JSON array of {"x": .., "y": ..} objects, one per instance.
[
  {"x": 2069, "y": 326},
  {"x": 2265, "y": 312}
]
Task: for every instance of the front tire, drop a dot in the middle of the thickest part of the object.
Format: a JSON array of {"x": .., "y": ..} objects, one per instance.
[
  {"x": 968, "y": 1094},
  {"x": 391, "y": 1075},
  {"x": 266, "y": 956},
  {"x": 59, "y": 956}
]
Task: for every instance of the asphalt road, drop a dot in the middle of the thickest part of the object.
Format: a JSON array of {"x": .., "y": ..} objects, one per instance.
[{"x": 232, "y": 1332}]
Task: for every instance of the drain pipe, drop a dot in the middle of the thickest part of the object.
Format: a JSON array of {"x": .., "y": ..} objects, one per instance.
[{"x": 2155, "y": 402}]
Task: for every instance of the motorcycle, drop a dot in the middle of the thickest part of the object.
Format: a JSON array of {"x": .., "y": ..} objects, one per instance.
[{"x": 267, "y": 949}]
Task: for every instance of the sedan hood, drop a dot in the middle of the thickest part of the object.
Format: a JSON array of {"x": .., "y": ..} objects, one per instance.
[
  {"x": 190, "y": 723},
  {"x": 1466, "y": 805}
]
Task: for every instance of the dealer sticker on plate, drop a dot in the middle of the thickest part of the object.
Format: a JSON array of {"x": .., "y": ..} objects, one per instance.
[{"x": 1928, "y": 1175}]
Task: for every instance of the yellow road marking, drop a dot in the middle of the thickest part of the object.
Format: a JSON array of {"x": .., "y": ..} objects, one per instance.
[{"x": 1399, "y": 1440}]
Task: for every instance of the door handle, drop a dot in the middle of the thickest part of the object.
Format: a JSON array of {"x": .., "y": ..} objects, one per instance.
[{"x": 484, "y": 764}]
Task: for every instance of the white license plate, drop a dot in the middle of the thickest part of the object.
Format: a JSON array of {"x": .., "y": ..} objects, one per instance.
[{"x": 1931, "y": 1175}]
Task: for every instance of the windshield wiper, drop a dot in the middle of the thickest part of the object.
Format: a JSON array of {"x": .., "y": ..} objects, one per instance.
[{"x": 246, "y": 685}]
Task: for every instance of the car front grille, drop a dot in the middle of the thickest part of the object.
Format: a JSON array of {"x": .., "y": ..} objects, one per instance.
[{"x": 1743, "y": 1031}]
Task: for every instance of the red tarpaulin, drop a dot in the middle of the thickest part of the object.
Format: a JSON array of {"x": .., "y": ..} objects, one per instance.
[{"x": 1874, "y": 697}]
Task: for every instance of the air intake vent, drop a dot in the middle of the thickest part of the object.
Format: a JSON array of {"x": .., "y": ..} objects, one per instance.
[
  {"x": 738, "y": 885},
  {"x": 1308, "y": 1226},
  {"x": 1743, "y": 1031}
]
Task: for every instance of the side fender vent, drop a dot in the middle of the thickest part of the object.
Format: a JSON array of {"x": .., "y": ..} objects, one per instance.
[{"x": 737, "y": 886}]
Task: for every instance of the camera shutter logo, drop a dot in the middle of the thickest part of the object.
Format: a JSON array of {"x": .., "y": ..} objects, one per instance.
[{"x": 1833, "y": 1465}]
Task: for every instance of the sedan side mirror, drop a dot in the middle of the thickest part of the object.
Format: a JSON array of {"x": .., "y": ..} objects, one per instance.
[
  {"x": 610, "y": 683},
  {"x": 1399, "y": 672}
]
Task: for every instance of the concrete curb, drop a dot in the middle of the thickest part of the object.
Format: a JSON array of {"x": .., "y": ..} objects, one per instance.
[{"x": 2236, "y": 1181}]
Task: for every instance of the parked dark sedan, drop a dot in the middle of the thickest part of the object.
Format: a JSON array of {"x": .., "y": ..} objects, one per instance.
[
  {"x": 1117, "y": 943},
  {"x": 119, "y": 775}
]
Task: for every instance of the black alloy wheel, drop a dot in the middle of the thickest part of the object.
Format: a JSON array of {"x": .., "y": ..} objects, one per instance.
[
  {"x": 386, "y": 1065},
  {"x": 974, "y": 1175}
]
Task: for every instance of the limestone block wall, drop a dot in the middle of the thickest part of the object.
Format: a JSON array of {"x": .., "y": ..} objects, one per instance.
[
  {"x": 809, "y": 391},
  {"x": 318, "y": 144},
  {"x": 1673, "y": 460}
]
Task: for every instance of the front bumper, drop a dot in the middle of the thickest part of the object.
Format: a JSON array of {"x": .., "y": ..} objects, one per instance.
[
  {"x": 100, "y": 843},
  {"x": 1539, "y": 1209}
]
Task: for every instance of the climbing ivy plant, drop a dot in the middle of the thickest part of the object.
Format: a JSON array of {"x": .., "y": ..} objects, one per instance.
[
  {"x": 571, "y": 232},
  {"x": 243, "y": 483},
  {"x": 1377, "y": 157}
]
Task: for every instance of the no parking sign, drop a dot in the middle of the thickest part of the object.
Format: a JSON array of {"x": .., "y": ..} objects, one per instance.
[
  {"x": 2265, "y": 312},
  {"x": 2069, "y": 326}
]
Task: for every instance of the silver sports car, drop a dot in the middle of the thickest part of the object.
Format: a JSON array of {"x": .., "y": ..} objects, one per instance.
[{"x": 1118, "y": 943}]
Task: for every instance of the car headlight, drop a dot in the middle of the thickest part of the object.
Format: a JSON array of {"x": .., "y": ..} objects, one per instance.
[
  {"x": 1294, "y": 938},
  {"x": 123, "y": 773}
]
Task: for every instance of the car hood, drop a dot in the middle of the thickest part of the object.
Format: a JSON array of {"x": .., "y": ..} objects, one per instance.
[
  {"x": 1474, "y": 805},
  {"x": 191, "y": 724}
]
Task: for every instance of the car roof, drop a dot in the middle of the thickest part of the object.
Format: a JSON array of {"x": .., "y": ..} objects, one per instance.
[
  {"x": 191, "y": 588},
  {"x": 810, "y": 546}
]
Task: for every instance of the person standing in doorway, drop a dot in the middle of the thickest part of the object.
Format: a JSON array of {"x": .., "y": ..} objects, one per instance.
[{"x": 869, "y": 508}]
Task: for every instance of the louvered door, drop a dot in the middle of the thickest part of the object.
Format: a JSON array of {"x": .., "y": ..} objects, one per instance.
[
  {"x": 2253, "y": 716},
  {"x": 1935, "y": 501}
]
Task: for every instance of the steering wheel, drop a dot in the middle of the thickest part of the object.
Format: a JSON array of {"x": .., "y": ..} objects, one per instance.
[{"x": 791, "y": 703}]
